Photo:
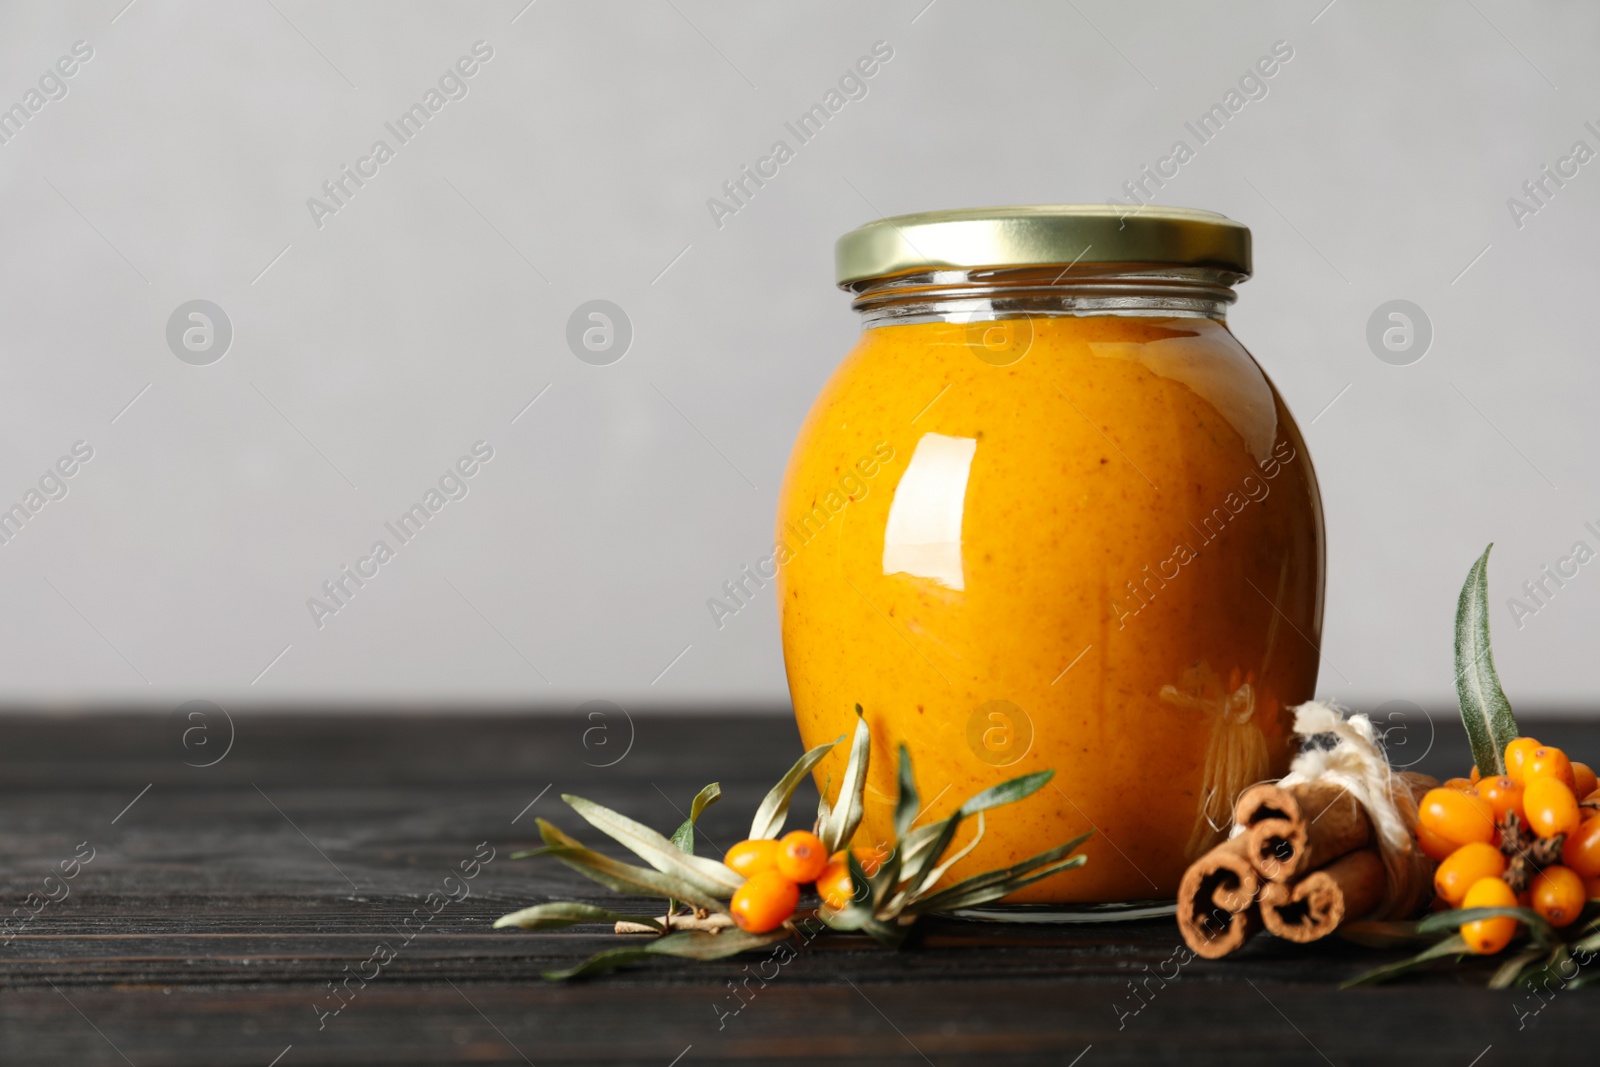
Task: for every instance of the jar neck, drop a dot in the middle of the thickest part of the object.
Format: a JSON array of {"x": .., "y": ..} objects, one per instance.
[{"x": 980, "y": 295}]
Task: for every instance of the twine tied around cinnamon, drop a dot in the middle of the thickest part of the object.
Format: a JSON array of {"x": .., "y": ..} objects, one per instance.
[{"x": 1355, "y": 763}]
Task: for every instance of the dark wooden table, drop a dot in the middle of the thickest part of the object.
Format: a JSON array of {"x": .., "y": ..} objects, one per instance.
[{"x": 221, "y": 901}]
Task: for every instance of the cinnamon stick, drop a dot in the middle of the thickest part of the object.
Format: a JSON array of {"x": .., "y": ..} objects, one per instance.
[
  {"x": 1294, "y": 829},
  {"x": 1348, "y": 888},
  {"x": 1216, "y": 900}
]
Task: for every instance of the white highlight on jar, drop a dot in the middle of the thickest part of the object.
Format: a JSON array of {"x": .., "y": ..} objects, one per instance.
[{"x": 923, "y": 537}]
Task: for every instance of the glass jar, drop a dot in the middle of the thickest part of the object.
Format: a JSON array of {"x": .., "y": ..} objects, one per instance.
[{"x": 1049, "y": 513}]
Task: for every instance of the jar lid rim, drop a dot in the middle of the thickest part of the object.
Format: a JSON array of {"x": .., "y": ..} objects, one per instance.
[{"x": 1040, "y": 234}]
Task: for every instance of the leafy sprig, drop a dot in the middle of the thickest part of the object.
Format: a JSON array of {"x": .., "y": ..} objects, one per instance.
[
  {"x": 1491, "y": 726},
  {"x": 883, "y": 905}
]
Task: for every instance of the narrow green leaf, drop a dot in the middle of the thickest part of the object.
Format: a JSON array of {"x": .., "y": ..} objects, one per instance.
[
  {"x": 1441, "y": 921},
  {"x": 608, "y": 960},
  {"x": 1485, "y": 711},
  {"x": 1507, "y": 973},
  {"x": 1450, "y": 946},
  {"x": 889, "y": 935},
  {"x": 690, "y": 944},
  {"x": 774, "y": 807},
  {"x": 623, "y": 877},
  {"x": 561, "y": 913},
  {"x": 917, "y": 841},
  {"x": 703, "y": 945},
  {"x": 529, "y": 853},
  {"x": 882, "y": 882},
  {"x": 865, "y": 905},
  {"x": 1007, "y": 792},
  {"x": 704, "y": 799},
  {"x": 847, "y": 921},
  {"x": 984, "y": 894},
  {"x": 683, "y": 836},
  {"x": 1555, "y": 969},
  {"x": 941, "y": 901},
  {"x": 916, "y": 870},
  {"x": 906, "y": 805},
  {"x": 710, "y": 876},
  {"x": 846, "y": 814},
  {"x": 933, "y": 876}
]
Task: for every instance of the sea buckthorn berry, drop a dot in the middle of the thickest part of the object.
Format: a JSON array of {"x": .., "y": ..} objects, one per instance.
[
  {"x": 1460, "y": 818},
  {"x": 764, "y": 902},
  {"x": 801, "y": 856},
  {"x": 834, "y": 884},
  {"x": 1547, "y": 762},
  {"x": 1503, "y": 794},
  {"x": 1591, "y": 888},
  {"x": 1433, "y": 846},
  {"x": 1475, "y": 774},
  {"x": 1582, "y": 849},
  {"x": 1558, "y": 895},
  {"x": 1551, "y": 807},
  {"x": 1488, "y": 936},
  {"x": 1463, "y": 784},
  {"x": 1583, "y": 779},
  {"x": 1517, "y": 753},
  {"x": 750, "y": 858},
  {"x": 1464, "y": 868}
]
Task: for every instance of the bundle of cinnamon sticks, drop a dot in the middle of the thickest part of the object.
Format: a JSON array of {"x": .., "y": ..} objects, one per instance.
[{"x": 1306, "y": 862}]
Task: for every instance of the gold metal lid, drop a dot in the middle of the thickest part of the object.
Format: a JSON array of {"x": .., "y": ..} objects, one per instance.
[{"x": 1042, "y": 234}]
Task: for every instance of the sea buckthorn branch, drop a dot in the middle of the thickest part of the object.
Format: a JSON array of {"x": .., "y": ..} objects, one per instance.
[
  {"x": 749, "y": 899},
  {"x": 1518, "y": 843}
]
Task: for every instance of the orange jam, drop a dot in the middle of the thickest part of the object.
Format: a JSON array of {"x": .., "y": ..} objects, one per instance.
[{"x": 1085, "y": 542}]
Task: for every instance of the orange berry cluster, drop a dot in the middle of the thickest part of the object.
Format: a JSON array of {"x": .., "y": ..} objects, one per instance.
[
  {"x": 1529, "y": 837},
  {"x": 774, "y": 871}
]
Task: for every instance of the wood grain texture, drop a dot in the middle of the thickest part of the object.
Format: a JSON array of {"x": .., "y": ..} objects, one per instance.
[{"x": 218, "y": 907}]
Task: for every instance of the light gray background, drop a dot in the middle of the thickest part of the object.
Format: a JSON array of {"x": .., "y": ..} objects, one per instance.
[{"x": 426, "y": 314}]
